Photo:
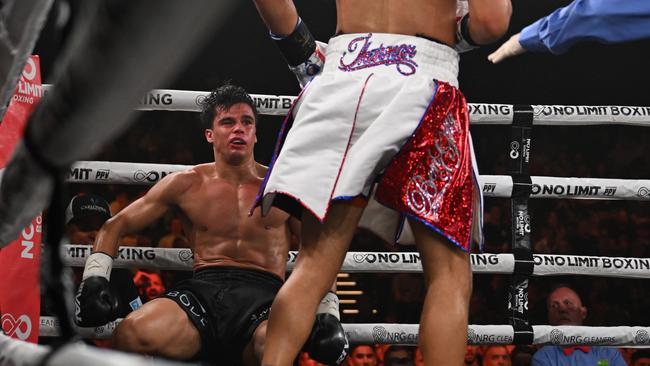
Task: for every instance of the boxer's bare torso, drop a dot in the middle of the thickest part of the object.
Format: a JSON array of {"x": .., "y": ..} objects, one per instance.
[
  {"x": 215, "y": 219},
  {"x": 434, "y": 19}
]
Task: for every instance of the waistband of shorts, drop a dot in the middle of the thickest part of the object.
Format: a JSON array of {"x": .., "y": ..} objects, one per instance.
[
  {"x": 439, "y": 60},
  {"x": 226, "y": 272}
]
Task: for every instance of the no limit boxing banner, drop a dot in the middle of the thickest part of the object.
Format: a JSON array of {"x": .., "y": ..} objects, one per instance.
[{"x": 20, "y": 261}]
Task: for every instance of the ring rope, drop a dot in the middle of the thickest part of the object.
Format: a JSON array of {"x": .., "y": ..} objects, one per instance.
[
  {"x": 476, "y": 334},
  {"x": 480, "y": 113},
  {"x": 107, "y": 172},
  {"x": 20, "y": 353},
  {"x": 389, "y": 262}
]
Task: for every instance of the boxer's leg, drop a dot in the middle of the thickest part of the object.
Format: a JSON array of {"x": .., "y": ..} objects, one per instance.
[
  {"x": 448, "y": 281},
  {"x": 160, "y": 327}
]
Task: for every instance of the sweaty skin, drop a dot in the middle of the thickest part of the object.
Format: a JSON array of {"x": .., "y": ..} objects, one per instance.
[
  {"x": 213, "y": 200},
  {"x": 411, "y": 17},
  {"x": 434, "y": 19}
]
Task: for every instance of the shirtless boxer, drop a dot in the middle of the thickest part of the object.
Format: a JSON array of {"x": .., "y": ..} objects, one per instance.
[
  {"x": 385, "y": 107},
  {"x": 218, "y": 316}
]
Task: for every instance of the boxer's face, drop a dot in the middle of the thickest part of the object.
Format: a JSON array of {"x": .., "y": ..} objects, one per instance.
[{"x": 233, "y": 133}]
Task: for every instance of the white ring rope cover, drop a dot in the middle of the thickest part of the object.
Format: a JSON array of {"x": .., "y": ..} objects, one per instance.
[
  {"x": 476, "y": 334},
  {"x": 106, "y": 172},
  {"x": 389, "y": 262},
  {"x": 19, "y": 353},
  {"x": 480, "y": 113}
]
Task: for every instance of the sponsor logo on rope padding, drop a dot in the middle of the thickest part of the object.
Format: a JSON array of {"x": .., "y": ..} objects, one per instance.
[
  {"x": 153, "y": 98},
  {"x": 474, "y": 338},
  {"x": 643, "y": 192},
  {"x": 150, "y": 176},
  {"x": 133, "y": 253},
  {"x": 568, "y": 110},
  {"x": 382, "y": 335},
  {"x": 185, "y": 255},
  {"x": 557, "y": 337},
  {"x": 272, "y": 102},
  {"x": 571, "y": 190},
  {"x": 102, "y": 174},
  {"x": 641, "y": 337},
  {"x": 200, "y": 99},
  {"x": 489, "y": 109},
  {"x": 522, "y": 223},
  {"x": 489, "y": 187},
  {"x": 484, "y": 259},
  {"x": 592, "y": 262},
  {"x": 20, "y": 327},
  {"x": 386, "y": 257},
  {"x": 80, "y": 173}
]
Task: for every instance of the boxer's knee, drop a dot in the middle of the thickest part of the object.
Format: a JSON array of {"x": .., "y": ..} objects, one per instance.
[{"x": 133, "y": 334}]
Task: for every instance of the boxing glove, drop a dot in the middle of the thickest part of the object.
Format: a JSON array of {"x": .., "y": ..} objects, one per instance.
[
  {"x": 327, "y": 342},
  {"x": 95, "y": 304},
  {"x": 303, "y": 53}
]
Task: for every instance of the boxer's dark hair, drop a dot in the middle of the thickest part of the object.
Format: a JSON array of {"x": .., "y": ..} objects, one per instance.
[{"x": 225, "y": 97}]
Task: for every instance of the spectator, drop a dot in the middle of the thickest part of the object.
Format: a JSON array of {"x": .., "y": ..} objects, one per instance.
[
  {"x": 398, "y": 356},
  {"x": 471, "y": 356},
  {"x": 565, "y": 307},
  {"x": 362, "y": 355},
  {"x": 522, "y": 355},
  {"x": 496, "y": 355},
  {"x": 83, "y": 218},
  {"x": 640, "y": 358}
]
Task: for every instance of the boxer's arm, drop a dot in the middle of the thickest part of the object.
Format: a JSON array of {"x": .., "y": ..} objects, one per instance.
[
  {"x": 280, "y": 16},
  {"x": 141, "y": 213},
  {"x": 488, "y": 20}
]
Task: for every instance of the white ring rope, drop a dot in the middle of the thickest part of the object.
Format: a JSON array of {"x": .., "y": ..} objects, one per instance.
[
  {"x": 106, "y": 172},
  {"x": 389, "y": 262},
  {"x": 476, "y": 334},
  {"x": 19, "y": 353},
  {"x": 480, "y": 113}
]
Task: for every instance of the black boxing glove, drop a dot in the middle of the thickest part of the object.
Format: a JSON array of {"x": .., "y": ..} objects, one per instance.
[
  {"x": 95, "y": 304},
  {"x": 303, "y": 53},
  {"x": 327, "y": 342}
]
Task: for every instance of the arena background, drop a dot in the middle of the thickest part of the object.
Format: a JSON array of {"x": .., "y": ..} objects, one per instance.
[{"x": 589, "y": 74}]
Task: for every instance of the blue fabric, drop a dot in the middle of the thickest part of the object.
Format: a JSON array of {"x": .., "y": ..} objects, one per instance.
[
  {"x": 554, "y": 356},
  {"x": 607, "y": 21}
]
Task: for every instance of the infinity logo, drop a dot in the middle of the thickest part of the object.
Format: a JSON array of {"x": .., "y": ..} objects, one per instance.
[
  {"x": 643, "y": 192},
  {"x": 185, "y": 255},
  {"x": 21, "y": 327},
  {"x": 359, "y": 257},
  {"x": 200, "y": 100},
  {"x": 151, "y": 176},
  {"x": 514, "y": 150}
]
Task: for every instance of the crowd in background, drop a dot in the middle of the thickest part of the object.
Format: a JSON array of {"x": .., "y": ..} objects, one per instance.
[{"x": 559, "y": 226}]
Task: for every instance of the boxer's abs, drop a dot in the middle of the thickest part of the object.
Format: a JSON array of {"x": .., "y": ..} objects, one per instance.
[{"x": 434, "y": 19}]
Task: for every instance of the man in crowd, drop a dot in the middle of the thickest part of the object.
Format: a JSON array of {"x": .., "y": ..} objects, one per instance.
[
  {"x": 397, "y": 355},
  {"x": 362, "y": 355},
  {"x": 84, "y": 216},
  {"x": 565, "y": 307},
  {"x": 496, "y": 355},
  {"x": 218, "y": 316}
]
